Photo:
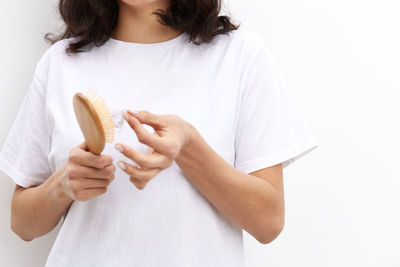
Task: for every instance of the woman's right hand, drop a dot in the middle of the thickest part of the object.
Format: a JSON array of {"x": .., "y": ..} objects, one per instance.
[{"x": 86, "y": 175}]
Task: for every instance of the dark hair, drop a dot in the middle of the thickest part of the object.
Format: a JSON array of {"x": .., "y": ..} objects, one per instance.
[{"x": 92, "y": 21}]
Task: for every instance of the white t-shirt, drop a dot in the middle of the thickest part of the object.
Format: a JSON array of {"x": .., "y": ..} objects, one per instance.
[{"x": 230, "y": 90}]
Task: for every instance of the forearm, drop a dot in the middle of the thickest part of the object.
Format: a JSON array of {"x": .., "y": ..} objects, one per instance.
[
  {"x": 249, "y": 201},
  {"x": 37, "y": 210}
]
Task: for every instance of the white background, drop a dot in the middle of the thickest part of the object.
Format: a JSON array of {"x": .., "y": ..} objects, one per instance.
[{"x": 341, "y": 61}]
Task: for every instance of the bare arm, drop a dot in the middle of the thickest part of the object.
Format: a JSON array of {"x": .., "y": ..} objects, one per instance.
[
  {"x": 254, "y": 201},
  {"x": 36, "y": 210}
]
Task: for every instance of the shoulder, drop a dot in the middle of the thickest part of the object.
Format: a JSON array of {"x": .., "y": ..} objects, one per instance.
[
  {"x": 57, "y": 49},
  {"x": 51, "y": 55},
  {"x": 242, "y": 41},
  {"x": 248, "y": 38},
  {"x": 243, "y": 48}
]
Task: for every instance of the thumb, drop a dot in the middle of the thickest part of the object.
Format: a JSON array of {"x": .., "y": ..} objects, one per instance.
[
  {"x": 148, "y": 118},
  {"x": 84, "y": 146}
]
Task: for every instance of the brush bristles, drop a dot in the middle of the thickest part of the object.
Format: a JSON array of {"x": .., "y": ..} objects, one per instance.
[{"x": 104, "y": 114}]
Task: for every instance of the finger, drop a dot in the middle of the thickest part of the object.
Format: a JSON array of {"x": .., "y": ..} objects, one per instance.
[
  {"x": 149, "y": 150},
  {"x": 148, "y": 118},
  {"x": 85, "y": 183},
  {"x": 89, "y": 159},
  {"x": 141, "y": 174},
  {"x": 138, "y": 183},
  {"x": 87, "y": 194},
  {"x": 84, "y": 146},
  {"x": 90, "y": 172},
  {"x": 95, "y": 182},
  {"x": 145, "y": 161},
  {"x": 143, "y": 135}
]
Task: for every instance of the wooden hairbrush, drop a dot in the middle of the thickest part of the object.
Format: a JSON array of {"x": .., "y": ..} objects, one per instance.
[{"x": 94, "y": 119}]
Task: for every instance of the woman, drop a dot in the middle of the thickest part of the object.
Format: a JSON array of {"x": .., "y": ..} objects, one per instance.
[{"x": 204, "y": 154}]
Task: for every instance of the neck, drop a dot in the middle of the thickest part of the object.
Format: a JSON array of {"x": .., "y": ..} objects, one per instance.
[{"x": 136, "y": 24}]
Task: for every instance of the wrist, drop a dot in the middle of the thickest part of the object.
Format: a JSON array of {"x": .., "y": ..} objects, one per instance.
[
  {"x": 191, "y": 137},
  {"x": 60, "y": 180}
]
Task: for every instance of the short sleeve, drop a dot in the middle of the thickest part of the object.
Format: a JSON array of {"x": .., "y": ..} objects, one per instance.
[
  {"x": 270, "y": 127},
  {"x": 24, "y": 154}
]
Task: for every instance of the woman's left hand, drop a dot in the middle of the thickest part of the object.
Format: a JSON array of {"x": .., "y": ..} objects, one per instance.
[{"x": 171, "y": 134}]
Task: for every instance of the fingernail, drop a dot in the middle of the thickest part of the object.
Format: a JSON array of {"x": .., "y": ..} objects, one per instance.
[
  {"x": 133, "y": 111},
  {"x": 119, "y": 148},
  {"x": 121, "y": 165},
  {"x": 125, "y": 116}
]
